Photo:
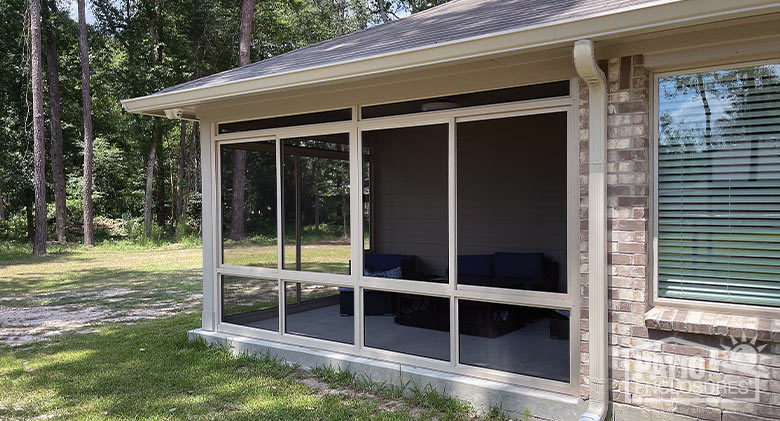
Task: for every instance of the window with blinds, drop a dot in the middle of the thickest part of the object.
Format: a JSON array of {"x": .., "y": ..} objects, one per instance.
[{"x": 719, "y": 186}]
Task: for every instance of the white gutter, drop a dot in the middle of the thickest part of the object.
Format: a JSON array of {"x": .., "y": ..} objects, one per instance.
[
  {"x": 656, "y": 16},
  {"x": 585, "y": 62}
]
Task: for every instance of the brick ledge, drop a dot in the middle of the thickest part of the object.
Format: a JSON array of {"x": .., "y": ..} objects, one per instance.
[{"x": 709, "y": 323}]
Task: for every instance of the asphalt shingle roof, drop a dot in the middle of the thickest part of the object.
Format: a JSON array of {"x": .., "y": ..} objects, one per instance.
[{"x": 453, "y": 21}]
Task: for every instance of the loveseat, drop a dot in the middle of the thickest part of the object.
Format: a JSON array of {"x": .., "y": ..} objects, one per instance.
[
  {"x": 378, "y": 303},
  {"x": 526, "y": 271}
]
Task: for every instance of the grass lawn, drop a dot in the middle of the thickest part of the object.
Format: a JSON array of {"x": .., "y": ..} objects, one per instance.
[
  {"x": 144, "y": 368},
  {"x": 325, "y": 256},
  {"x": 149, "y": 371},
  {"x": 98, "y": 276}
]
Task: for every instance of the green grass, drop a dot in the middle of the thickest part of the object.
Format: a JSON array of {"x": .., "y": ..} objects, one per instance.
[
  {"x": 329, "y": 256},
  {"x": 434, "y": 403},
  {"x": 78, "y": 275},
  {"x": 14, "y": 251},
  {"x": 148, "y": 370}
]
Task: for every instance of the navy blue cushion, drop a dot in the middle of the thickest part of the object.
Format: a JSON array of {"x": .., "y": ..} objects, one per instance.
[
  {"x": 394, "y": 273},
  {"x": 519, "y": 265},
  {"x": 484, "y": 281},
  {"x": 476, "y": 265},
  {"x": 381, "y": 262}
]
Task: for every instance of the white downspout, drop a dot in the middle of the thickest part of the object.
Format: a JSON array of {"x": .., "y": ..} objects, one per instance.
[{"x": 585, "y": 62}]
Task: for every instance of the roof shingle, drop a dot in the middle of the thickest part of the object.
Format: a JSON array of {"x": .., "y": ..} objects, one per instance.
[{"x": 453, "y": 21}]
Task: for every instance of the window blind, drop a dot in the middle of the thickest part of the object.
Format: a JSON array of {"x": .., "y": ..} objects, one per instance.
[{"x": 719, "y": 186}]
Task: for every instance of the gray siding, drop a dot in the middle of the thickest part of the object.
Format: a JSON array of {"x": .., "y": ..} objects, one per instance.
[
  {"x": 511, "y": 189},
  {"x": 411, "y": 194},
  {"x": 512, "y": 186}
]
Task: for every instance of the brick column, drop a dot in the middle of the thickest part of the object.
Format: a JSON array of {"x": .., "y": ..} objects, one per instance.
[{"x": 627, "y": 195}]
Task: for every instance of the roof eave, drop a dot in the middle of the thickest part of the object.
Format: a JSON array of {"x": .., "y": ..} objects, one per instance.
[{"x": 665, "y": 14}]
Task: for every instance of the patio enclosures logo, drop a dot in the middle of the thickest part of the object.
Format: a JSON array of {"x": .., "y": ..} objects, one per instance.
[{"x": 687, "y": 372}]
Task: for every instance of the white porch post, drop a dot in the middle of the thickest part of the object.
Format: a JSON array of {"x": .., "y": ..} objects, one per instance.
[
  {"x": 585, "y": 62},
  {"x": 208, "y": 184}
]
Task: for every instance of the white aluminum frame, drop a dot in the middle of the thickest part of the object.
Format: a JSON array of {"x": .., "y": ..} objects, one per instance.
[
  {"x": 453, "y": 291},
  {"x": 655, "y": 299}
]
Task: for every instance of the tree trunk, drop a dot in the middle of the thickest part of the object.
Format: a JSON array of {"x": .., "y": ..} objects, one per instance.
[
  {"x": 2, "y": 205},
  {"x": 181, "y": 179},
  {"x": 193, "y": 170},
  {"x": 57, "y": 166},
  {"x": 156, "y": 130},
  {"x": 193, "y": 167},
  {"x": 150, "y": 184},
  {"x": 237, "y": 224},
  {"x": 172, "y": 184},
  {"x": 342, "y": 11},
  {"x": 39, "y": 149},
  {"x": 344, "y": 213},
  {"x": 707, "y": 110},
  {"x": 245, "y": 36},
  {"x": 159, "y": 205},
  {"x": 382, "y": 9},
  {"x": 315, "y": 172},
  {"x": 317, "y": 210},
  {"x": 86, "y": 99}
]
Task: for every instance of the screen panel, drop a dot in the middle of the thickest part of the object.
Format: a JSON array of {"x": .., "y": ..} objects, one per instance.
[
  {"x": 316, "y": 203},
  {"x": 409, "y": 323},
  {"x": 319, "y": 311},
  {"x": 512, "y": 202},
  {"x": 516, "y": 339},
  {"x": 248, "y": 204},
  {"x": 405, "y": 190},
  {"x": 250, "y": 302}
]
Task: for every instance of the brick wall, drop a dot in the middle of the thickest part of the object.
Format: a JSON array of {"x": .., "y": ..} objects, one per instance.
[
  {"x": 667, "y": 360},
  {"x": 627, "y": 201}
]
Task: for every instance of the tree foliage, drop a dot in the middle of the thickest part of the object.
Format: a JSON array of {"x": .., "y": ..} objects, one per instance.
[{"x": 137, "y": 47}]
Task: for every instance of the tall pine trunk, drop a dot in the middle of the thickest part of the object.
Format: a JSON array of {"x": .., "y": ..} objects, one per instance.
[
  {"x": 154, "y": 38},
  {"x": 245, "y": 36},
  {"x": 2, "y": 204},
  {"x": 193, "y": 171},
  {"x": 150, "y": 182},
  {"x": 237, "y": 226},
  {"x": 345, "y": 212},
  {"x": 237, "y": 220},
  {"x": 159, "y": 205},
  {"x": 39, "y": 151},
  {"x": 317, "y": 210},
  {"x": 382, "y": 9},
  {"x": 181, "y": 179},
  {"x": 57, "y": 166},
  {"x": 86, "y": 99}
]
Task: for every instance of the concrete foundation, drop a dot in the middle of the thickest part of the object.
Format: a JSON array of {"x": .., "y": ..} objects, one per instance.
[{"x": 482, "y": 394}]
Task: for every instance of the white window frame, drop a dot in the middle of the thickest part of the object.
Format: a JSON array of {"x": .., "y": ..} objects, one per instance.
[
  {"x": 566, "y": 301},
  {"x": 655, "y": 299}
]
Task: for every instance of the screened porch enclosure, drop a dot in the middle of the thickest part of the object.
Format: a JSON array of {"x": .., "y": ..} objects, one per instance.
[{"x": 446, "y": 243}]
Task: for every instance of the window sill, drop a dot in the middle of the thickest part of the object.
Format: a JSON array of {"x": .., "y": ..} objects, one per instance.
[{"x": 710, "y": 323}]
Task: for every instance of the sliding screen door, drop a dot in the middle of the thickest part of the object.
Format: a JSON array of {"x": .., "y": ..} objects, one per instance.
[
  {"x": 407, "y": 183},
  {"x": 316, "y": 203},
  {"x": 512, "y": 204}
]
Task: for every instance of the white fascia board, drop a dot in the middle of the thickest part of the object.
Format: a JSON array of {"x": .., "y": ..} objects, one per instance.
[{"x": 664, "y": 14}]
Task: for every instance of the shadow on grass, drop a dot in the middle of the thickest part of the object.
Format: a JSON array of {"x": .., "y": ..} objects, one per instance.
[
  {"x": 149, "y": 370},
  {"x": 13, "y": 258},
  {"x": 95, "y": 281}
]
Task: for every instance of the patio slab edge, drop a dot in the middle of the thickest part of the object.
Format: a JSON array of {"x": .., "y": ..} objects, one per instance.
[{"x": 482, "y": 394}]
